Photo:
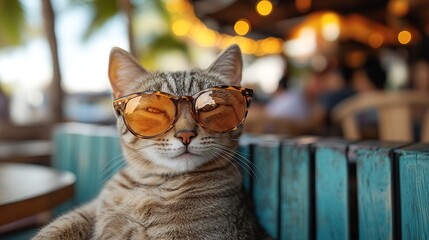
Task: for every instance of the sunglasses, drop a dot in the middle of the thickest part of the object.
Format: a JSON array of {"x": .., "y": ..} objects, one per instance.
[{"x": 218, "y": 109}]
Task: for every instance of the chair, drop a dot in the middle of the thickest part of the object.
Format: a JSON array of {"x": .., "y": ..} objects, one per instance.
[{"x": 394, "y": 110}]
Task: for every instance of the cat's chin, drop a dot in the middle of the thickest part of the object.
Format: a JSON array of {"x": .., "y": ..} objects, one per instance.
[
  {"x": 185, "y": 156},
  {"x": 184, "y": 162}
]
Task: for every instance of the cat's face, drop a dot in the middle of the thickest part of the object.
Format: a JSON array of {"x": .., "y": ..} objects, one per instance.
[{"x": 186, "y": 146}]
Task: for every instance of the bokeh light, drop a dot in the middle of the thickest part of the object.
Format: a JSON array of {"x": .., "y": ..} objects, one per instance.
[
  {"x": 398, "y": 7},
  {"x": 264, "y": 7},
  {"x": 404, "y": 37},
  {"x": 242, "y": 27},
  {"x": 330, "y": 26},
  {"x": 375, "y": 40},
  {"x": 180, "y": 27},
  {"x": 303, "y": 5}
]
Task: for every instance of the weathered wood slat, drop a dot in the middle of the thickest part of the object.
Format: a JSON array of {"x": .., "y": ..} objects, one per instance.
[
  {"x": 295, "y": 189},
  {"x": 332, "y": 202},
  {"x": 246, "y": 165},
  {"x": 92, "y": 153},
  {"x": 63, "y": 159},
  {"x": 414, "y": 191},
  {"x": 266, "y": 185},
  {"x": 374, "y": 166}
]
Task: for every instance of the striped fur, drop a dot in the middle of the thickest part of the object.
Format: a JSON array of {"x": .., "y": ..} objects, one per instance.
[{"x": 164, "y": 193}]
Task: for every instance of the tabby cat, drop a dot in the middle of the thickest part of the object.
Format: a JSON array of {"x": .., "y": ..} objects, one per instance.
[{"x": 179, "y": 133}]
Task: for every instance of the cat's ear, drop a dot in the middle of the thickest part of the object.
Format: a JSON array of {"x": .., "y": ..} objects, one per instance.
[
  {"x": 229, "y": 64},
  {"x": 124, "y": 70}
]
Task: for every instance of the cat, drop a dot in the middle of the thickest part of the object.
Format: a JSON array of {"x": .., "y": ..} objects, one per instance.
[{"x": 181, "y": 184}]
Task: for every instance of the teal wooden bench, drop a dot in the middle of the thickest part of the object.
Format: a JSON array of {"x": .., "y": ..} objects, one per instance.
[{"x": 302, "y": 188}]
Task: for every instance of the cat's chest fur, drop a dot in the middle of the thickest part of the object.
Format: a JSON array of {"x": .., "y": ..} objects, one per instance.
[{"x": 203, "y": 204}]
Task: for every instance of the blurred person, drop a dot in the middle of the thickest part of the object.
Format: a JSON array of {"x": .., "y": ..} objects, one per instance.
[
  {"x": 286, "y": 102},
  {"x": 419, "y": 75},
  {"x": 370, "y": 76},
  {"x": 4, "y": 105},
  {"x": 419, "y": 81},
  {"x": 289, "y": 109},
  {"x": 295, "y": 102}
]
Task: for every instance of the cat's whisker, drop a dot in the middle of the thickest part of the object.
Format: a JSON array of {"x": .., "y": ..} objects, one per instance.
[
  {"x": 243, "y": 162},
  {"x": 228, "y": 159},
  {"x": 119, "y": 166},
  {"x": 111, "y": 162},
  {"x": 116, "y": 163},
  {"x": 247, "y": 165},
  {"x": 228, "y": 138},
  {"x": 242, "y": 156},
  {"x": 215, "y": 156}
]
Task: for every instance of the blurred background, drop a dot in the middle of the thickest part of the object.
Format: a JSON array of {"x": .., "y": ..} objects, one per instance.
[
  {"x": 317, "y": 67},
  {"x": 302, "y": 57}
]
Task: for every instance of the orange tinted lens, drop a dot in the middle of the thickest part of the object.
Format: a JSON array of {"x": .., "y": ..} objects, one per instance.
[
  {"x": 149, "y": 114},
  {"x": 220, "y": 110}
]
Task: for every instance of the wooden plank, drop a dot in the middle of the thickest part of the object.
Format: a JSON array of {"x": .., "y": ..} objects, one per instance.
[
  {"x": 92, "y": 153},
  {"x": 374, "y": 170},
  {"x": 266, "y": 185},
  {"x": 246, "y": 162},
  {"x": 63, "y": 159},
  {"x": 247, "y": 170},
  {"x": 84, "y": 174},
  {"x": 413, "y": 167},
  {"x": 332, "y": 203},
  {"x": 295, "y": 190}
]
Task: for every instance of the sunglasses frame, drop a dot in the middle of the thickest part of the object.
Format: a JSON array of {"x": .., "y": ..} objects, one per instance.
[{"x": 120, "y": 105}]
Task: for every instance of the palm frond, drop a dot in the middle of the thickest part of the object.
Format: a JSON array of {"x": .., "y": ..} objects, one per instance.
[{"x": 12, "y": 22}]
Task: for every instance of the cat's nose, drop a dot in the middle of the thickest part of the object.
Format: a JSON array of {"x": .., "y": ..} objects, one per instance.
[{"x": 185, "y": 136}]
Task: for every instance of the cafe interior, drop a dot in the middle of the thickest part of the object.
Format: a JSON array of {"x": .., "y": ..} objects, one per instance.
[{"x": 355, "y": 70}]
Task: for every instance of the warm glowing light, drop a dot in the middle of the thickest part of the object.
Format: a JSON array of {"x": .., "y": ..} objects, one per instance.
[
  {"x": 398, "y": 7},
  {"x": 242, "y": 27},
  {"x": 303, "y": 5},
  {"x": 304, "y": 45},
  {"x": 245, "y": 44},
  {"x": 264, "y": 7},
  {"x": 176, "y": 6},
  {"x": 180, "y": 27},
  {"x": 204, "y": 36},
  {"x": 404, "y": 37},
  {"x": 184, "y": 23},
  {"x": 355, "y": 59},
  {"x": 330, "y": 26},
  {"x": 375, "y": 40},
  {"x": 271, "y": 45}
]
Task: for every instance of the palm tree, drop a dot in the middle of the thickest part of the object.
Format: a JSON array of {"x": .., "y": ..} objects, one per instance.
[
  {"x": 56, "y": 91},
  {"x": 104, "y": 10},
  {"x": 12, "y": 23},
  {"x": 127, "y": 8}
]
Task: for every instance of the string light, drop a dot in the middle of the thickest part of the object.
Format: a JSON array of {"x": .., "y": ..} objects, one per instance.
[
  {"x": 303, "y": 5},
  {"x": 242, "y": 27},
  {"x": 398, "y": 7},
  {"x": 330, "y": 26},
  {"x": 404, "y": 37},
  {"x": 184, "y": 23},
  {"x": 375, "y": 40},
  {"x": 264, "y": 7},
  {"x": 180, "y": 27}
]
